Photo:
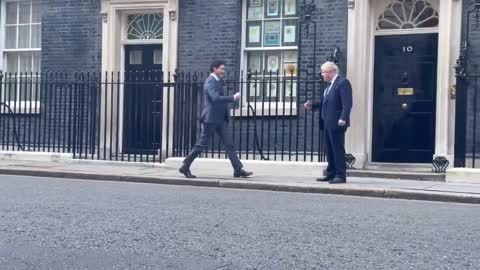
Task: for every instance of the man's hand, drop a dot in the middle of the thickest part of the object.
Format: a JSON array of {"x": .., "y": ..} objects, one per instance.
[
  {"x": 237, "y": 96},
  {"x": 341, "y": 123},
  {"x": 308, "y": 105}
]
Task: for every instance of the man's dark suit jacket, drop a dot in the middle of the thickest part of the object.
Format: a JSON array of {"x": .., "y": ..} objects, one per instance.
[
  {"x": 337, "y": 104},
  {"x": 215, "y": 105}
]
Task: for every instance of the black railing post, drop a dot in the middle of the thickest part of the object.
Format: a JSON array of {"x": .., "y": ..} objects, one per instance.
[
  {"x": 3, "y": 100},
  {"x": 194, "y": 122},
  {"x": 74, "y": 115},
  {"x": 247, "y": 97},
  {"x": 461, "y": 95}
]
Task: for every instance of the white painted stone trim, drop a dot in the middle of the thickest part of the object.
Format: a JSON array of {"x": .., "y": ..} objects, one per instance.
[
  {"x": 113, "y": 43},
  {"x": 360, "y": 59},
  {"x": 35, "y": 156},
  {"x": 463, "y": 175}
]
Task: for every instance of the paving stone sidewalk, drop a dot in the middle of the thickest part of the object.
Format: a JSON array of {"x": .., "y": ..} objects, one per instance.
[{"x": 108, "y": 171}]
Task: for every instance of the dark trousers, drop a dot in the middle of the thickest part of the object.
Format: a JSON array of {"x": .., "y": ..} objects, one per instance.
[
  {"x": 335, "y": 150},
  {"x": 208, "y": 130}
]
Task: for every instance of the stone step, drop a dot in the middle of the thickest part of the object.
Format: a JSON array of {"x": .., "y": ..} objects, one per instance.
[
  {"x": 406, "y": 167},
  {"x": 399, "y": 175}
]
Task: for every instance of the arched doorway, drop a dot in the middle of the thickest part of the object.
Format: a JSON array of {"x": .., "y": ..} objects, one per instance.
[{"x": 405, "y": 82}]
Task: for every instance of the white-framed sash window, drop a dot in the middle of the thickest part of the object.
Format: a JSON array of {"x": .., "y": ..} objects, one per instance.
[
  {"x": 270, "y": 50},
  {"x": 20, "y": 45}
]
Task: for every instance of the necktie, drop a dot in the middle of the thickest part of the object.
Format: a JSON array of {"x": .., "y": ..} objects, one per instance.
[{"x": 328, "y": 89}]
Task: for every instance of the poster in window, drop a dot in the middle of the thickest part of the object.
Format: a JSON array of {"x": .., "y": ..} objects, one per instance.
[
  {"x": 255, "y": 13},
  {"x": 291, "y": 69},
  {"x": 273, "y": 62},
  {"x": 272, "y": 33},
  {"x": 290, "y": 7},
  {"x": 272, "y": 40},
  {"x": 289, "y": 34},
  {"x": 272, "y": 27},
  {"x": 254, "y": 34},
  {"x": 273, "y": 7},
  {"x": 255, "y": 63},
  {"x": 255, "y": 3}
]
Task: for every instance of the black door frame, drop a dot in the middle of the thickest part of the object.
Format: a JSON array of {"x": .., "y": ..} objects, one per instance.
[{"x": 371, "y": 121}]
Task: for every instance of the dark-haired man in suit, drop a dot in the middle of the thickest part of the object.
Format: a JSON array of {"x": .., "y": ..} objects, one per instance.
[
  {"x": 215, "y": 119},
  {"x": 335, "y": 106}
]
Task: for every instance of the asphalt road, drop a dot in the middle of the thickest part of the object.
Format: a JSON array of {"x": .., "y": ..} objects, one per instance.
[{"x": 73, "y": 224}]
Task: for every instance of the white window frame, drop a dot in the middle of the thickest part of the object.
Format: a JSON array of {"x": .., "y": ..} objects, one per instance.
[
  {"x": 380, "y": 8},
  {"x": 17, "y": 106},
  {"x": 284, "y": 108}
]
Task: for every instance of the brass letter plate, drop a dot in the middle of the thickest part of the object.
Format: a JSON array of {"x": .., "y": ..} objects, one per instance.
[{"x": 405, "y": 91}]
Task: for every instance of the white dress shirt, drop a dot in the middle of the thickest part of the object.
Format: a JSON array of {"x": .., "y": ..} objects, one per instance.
[{"x": 331, "y": 84}]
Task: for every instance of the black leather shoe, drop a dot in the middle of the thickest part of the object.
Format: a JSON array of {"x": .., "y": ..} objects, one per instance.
[
  {"x": 242, "y": 173},
  {"x": 325, "y": 179},
  {"x": 338, "y": 180},
  {"x": 186, "y": 171}
]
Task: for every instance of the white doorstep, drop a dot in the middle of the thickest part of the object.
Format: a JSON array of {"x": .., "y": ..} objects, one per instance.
[{"x": 259, "y": 167}]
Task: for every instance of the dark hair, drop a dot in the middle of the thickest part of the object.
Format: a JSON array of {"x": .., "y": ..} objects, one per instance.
[{"x": 216, "y": 64}]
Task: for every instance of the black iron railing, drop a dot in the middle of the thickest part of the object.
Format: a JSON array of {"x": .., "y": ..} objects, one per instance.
[
  {"x": 467, "y": 103},
  {"x": 150, "y": 116}
]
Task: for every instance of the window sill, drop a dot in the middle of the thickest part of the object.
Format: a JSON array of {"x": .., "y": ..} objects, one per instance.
[
  {"x": 21, "y": 107},
  {"x": 265, "y": 111}
]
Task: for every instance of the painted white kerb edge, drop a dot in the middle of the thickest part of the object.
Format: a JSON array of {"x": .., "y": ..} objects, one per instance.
[{"x": 284, "y": 168}]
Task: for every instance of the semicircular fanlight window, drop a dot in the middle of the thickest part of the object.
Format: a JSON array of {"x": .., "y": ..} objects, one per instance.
[
  {"x": 145, "y": 26},
  {"x": 408, "y": 14}
]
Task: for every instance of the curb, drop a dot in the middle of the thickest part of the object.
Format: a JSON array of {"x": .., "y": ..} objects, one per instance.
[{"x": 247, "y": 185}]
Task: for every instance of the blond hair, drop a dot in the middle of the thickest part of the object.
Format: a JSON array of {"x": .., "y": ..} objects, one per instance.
[{"x": 330, "y": 66}]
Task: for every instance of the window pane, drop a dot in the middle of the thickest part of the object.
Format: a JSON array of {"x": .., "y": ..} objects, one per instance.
[
  {"x": 25, "y": 62},
  {"x": 36, "y": 12},
  {"x": 11, "y": 59},
  {"x": 11, "y": 37},
  {"x": 272, "y": 88},
  {"x": 290, "y": 32},
  {"x": 135, "y": 57},
  {"x": 36, "y": 62},
  {"x": 254, "y": 60},
  {"x": 272, "y": 33},
  {"x": 272, "y": 62},
  {"x": 24, "y": 36},
  {"x": 290, "y": 8},
  {"x": 24, "y": 14},
  {"x": 290, "y": 90},
  {"x": 145, "y": 26},
  {"x": 255, "y": 3},
  {"x": 11, "y": 12},
  {"x": 272, "y": 8},
  {"x": 157, "y": 56},
  {"x": 255, "y": 13},
  {"x": 36, "y": 36},
  {"x": 290, "y": 56},
  {"x": 254, "y": 92},
  {"x": 254, "y": 34}
]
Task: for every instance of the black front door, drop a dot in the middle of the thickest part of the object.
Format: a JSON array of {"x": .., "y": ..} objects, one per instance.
[
  {"x": 405, "y": 98},
  {"x": 143, "y": 98}
]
